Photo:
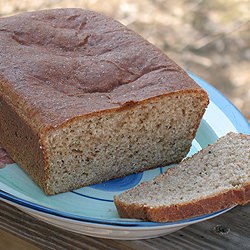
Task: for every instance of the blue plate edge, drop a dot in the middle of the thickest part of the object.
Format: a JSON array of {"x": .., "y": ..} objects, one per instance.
[
  {"x": 242, "y": 125},
  {"x": 60, "y": 214}
]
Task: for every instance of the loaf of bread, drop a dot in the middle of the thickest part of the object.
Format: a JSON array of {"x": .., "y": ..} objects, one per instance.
[
  {"x": 83, "y": 99},
  {"x": 215, "y": 178}
]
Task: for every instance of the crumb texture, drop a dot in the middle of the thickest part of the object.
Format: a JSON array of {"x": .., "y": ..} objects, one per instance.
[
  {"x": 101, "y": 148},
  {"x": 216, "y": 170}
]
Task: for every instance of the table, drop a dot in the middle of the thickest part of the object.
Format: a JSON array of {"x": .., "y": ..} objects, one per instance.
[{"x": 228, "y": 231}]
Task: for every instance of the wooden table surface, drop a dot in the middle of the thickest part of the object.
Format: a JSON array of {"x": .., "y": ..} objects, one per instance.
[{"x": 228, "y": 231}]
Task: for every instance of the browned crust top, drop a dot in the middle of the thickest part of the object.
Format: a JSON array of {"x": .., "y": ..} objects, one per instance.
[{"x": 64, "y": 63}]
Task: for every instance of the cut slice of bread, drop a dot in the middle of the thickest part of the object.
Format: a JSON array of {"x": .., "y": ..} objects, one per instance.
[{"x": 215, "y": 178}]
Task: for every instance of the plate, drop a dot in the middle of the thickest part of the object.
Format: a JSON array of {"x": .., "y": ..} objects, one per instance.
[
  {"x": 91, "y": 210},
  {"x": 111, "y": 231}
]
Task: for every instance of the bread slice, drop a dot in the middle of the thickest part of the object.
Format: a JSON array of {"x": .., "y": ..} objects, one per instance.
[
  {"x": 215, "y": 178},
  {"x": 83, "y": 99}
]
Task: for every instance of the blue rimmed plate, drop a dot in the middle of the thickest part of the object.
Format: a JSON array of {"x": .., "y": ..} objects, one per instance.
[{"x": 91, "y": 210}]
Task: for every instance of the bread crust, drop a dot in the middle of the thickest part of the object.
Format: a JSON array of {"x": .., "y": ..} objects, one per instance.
[{"x": 186, "y": 210}]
